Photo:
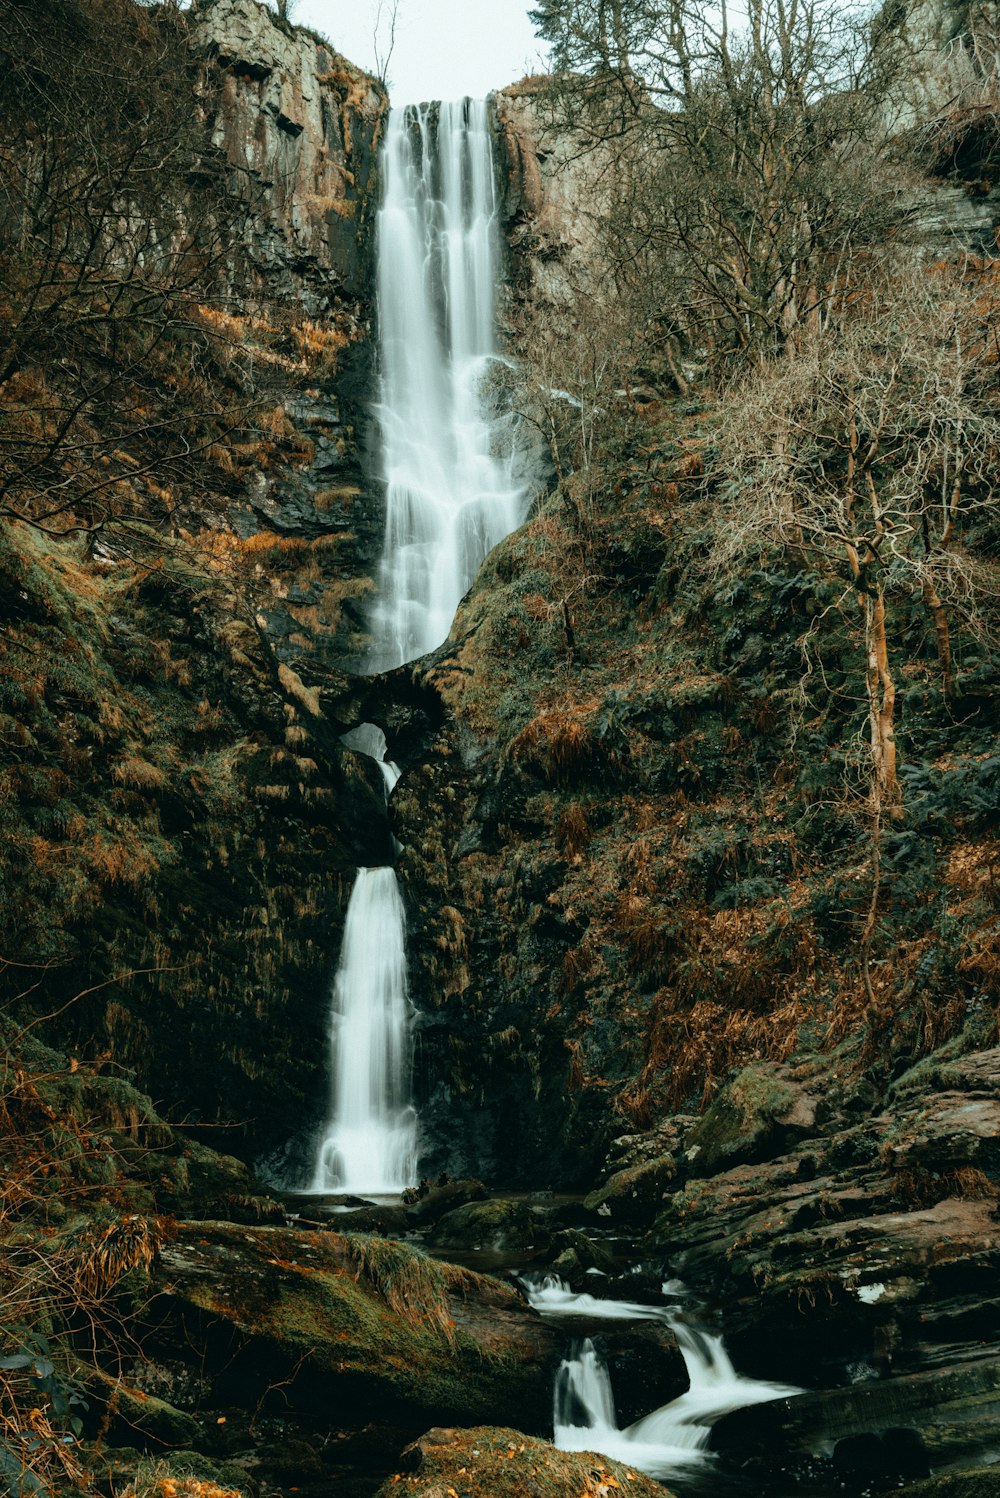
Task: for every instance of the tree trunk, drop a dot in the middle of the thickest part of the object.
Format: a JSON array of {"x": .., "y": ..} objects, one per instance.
[
  {"x": 881, "y": 706},
  {"x": 939, "y": 614}
]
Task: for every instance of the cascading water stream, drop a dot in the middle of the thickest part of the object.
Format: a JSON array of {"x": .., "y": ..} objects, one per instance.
[
  {"x": 672, "y": 1437},
  {"x": 450, "y": 457},
  {"x": 371, "y": 1140},
  {"x": 451, "y": 495}
]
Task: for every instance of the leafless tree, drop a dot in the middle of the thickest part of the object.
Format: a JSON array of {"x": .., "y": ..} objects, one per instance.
[
  {"x": 118, "y": 227},
  {"x": 751, "y": 166},
  {"x": 873, "y": 453},
  {"x": 384, "y": 25}
]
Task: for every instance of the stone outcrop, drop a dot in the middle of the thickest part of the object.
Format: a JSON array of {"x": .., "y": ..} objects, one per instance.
[
  {"x": 303, "y": 124},
  {"x": 360, "y": 1324},
  {"x": 495, "y": 1463}
]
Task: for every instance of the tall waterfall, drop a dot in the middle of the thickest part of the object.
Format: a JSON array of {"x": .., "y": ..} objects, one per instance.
[
  {"x": 371, "y": 1140},
  {"x": 450, "y": 458},
  {"x": 452, "y": 493}
]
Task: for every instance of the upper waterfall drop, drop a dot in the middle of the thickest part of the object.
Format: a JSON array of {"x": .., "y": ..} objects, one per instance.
[{"x": 450, "y": 456}]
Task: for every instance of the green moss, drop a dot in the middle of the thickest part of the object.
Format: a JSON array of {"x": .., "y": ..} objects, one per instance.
[{"x": 374, "y": 1314}]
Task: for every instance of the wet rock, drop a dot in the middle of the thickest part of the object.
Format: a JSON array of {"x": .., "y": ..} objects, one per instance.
[
  {"x": 757, "y": 1115},
  {"x": 899, "y": 1426},
  {"x": 668, "y": 1138},
  {"x": 983, "y": 1482},
  {"x": 349, "y": 1323},
  {"x": 947, "y": 1132},
  {"x": 633, "y": 1195},
  {"x": 441, "y": 1199},
  {"x": 572, "y": 1256},
  {"x": 503, "y": 1226},
  {"x": 491, "y": 1462},
  {"x": 645, "y": 1366},
  {"x": 142, "y": 1417}
]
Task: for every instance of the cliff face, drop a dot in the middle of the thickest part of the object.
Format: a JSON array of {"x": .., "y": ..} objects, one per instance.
[
  {"x": 301, "y": 126},
  {"x": 180, "y": 823},
  {"x": 304, "y": 123}
]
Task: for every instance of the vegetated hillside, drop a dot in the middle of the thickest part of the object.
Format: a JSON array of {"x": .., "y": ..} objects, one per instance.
[
  {"x": 721, "y": 777},
  {"x": 183, "y": 366}
]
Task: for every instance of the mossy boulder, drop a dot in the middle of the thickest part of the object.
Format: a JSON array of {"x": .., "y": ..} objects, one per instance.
[
  {"x": 124, "y": 1469},
  {"x": 572, "y": 1255},
  {"x": 351, "y": 1322},
  {"x": 634, "y": 1195},
  {"x": 981, "y": 1482},
  {"x": 492, "y": 1462},
  {"x": 756, "y": 1116},
  {"x": 503, "y": 1226},
  {"x": 152, "y": 1422}
]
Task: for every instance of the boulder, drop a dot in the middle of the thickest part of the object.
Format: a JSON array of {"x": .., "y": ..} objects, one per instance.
[
  {"x": 491, "y": 1462},
  {"x": 437, "y": 1200},
  {"x": 572, "y": 1255},
  {"x": 758, "y": 1115},
  {"x": 634, "y": 1195},
  {"x": 503, "y": 1226},
  {"x": 885, "y": 1428},
  {"x": 348, "y": 1322}
]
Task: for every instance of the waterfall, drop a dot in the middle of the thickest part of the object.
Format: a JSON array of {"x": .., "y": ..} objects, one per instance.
[
  {"x": 583, "y": 1398},
  {"x": 370, "y": 1143},
  {"x": 452, "y": 493},
  {"x": 449, "y": 457},
  {"x": 672, "y": 1437}
]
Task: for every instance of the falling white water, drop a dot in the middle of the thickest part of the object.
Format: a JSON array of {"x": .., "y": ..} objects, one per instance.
[
  {"x": 674, "y": 1436},
  {"x": 370, "y": 1143},
  {"x": 548, "y": 1293},
  {"x": 450, "y": 458}
]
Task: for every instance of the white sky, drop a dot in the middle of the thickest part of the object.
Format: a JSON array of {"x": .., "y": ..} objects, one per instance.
[{"x": 444, "y": 48}]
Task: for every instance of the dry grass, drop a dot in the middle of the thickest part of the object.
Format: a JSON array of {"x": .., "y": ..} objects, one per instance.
[{"x": 561, "y": 743}]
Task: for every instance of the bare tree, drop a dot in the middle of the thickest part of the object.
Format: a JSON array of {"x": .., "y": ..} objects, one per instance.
[
  {"x": 872, "y": 454},
  {"x": 117, "y": 224},
  {"x": 386, "y": 21},
  {"x": 751, "y": 165}
]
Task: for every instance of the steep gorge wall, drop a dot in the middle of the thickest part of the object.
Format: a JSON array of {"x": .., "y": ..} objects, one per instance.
[{"x": 180, "y": 823}]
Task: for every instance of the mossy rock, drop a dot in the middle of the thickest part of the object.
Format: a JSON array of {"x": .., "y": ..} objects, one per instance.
[
  {"x": 119, "y": 1468},
  {"x": 499, "y": 1225},
  {"x": 978, "y": 1482},
  {"x": 352, "y": 1322},
  {"x": 634, "y": 1195},
  {"x": 757, "y": 1115},
  {"x": 155, "y": 1422},
  {"x": 573, "y": 1255},
  {"x": 493, "y": 1462}
]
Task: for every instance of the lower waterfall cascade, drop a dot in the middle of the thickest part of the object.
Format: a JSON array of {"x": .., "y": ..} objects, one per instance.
[
  {"x": 676, "y": 1435},
  {"x": 370, "y": 1143}
]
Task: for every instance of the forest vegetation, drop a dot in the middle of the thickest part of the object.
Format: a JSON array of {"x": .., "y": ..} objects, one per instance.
[{"x": 732, "y": 689}]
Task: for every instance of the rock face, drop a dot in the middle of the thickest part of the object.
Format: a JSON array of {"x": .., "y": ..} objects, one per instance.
[
  {"x": 231, "y": 817},
  {"x": 858, "y": 1255},
  {"x": 551, "y": 199},
  {"x": 361, "y": 1324},
  {"x": 497, "y": 1463},
  {"x": 301, "y": 126},
  {"x": 303, "y": 123}
]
